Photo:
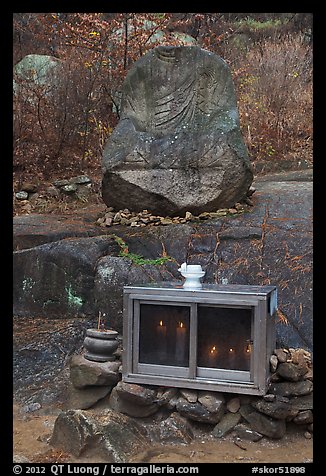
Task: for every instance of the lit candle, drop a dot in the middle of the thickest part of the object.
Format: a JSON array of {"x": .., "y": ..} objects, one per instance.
[
  {"x": 232, "y": 357},
  {"x": 162, "y": 344},
  {"x": 212, "y": 354},
  {"x": 247, "y": 355},
  {"x": 180, "y": 342},
  {"x": 161, "y": 330}
]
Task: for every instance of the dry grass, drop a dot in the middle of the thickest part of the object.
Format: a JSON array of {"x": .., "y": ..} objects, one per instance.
[{"x": 275, "y": 101}]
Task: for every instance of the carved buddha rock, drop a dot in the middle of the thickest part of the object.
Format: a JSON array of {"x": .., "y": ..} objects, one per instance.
[{"x": 178, "y": 145}]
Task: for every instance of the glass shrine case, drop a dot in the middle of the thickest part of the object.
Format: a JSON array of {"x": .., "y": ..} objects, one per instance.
[{"x": 218, "y": 337}]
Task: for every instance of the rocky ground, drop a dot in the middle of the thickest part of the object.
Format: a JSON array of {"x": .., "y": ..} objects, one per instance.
[
  {"x": 40, "y": 374},
  {"x": 269, "y": 242},
  {"x": 42, "y": 389},
  {"x": 32, "y": 431}
]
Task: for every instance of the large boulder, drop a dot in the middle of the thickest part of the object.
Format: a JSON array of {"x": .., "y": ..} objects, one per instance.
[
  {"x": 37, "y": 71},
  {"x": 77, "y": 277},
  {"x": 178, "y": 145},
  {"x": 110, "y": 435},
  {"x": 57, "y": 279}
]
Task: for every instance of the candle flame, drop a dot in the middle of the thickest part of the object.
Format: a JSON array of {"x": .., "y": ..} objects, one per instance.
[
  {"x": 231, "y": 350},
  {"x": 161, "y": 323},
  {"x": 181, "y": 324},
  {"x": 213, "y": 349}
]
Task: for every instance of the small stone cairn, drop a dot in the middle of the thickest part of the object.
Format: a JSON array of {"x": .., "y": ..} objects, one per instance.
[
  {"x": 125, "y": 217},
  {"x": 172, "y": 415},
  {"x": 74, "y": 186}
]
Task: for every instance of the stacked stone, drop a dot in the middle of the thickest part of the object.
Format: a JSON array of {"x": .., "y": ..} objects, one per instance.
[
  {"x": 26, "y": 191},
  {"x": 74, "y": 185},
  {"x": 290, "y": 395},
  {"x": 79, "y": 186},
  {"x": 91, "y": 381},
  {"x": 289, "y": 398},
  {"x": 145, "y": 217},
  {"x": 125, "y": 408}
]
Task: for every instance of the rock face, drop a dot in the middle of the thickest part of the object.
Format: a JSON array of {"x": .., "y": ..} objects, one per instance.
[
  {"x": 59, "y": 279},
  {"x": 178, "y": 145},
  {"x": 61, "y": 272}
]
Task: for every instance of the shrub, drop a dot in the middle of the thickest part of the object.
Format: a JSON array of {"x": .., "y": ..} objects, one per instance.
[
  {"x": 65, "y": 129},
  {"x": 275, "y": 100}
]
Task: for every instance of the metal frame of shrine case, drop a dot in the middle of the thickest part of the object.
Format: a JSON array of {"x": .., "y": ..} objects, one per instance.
[{"x": 217, "y": 337}]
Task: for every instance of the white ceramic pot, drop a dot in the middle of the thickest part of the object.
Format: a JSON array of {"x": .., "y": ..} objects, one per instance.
[
  {"x": 192, "y": 273},
  {"x": 193, "y": 280}
]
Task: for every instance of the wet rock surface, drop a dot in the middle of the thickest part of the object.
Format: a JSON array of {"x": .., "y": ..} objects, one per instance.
[
  {"x": 199, "y": 412},
  {"x": 36, "y": 229},
  {"x": 262, "y": 424},
  {"x": 243, "y": 432},
  {"x": 271, "y": 244},
  {"x": 148, "y": 413},
  {"x": 127, "y": 407},
  {"x": 292, "y": 389},
  {"x": 226, "y": 424},
  {"x": 174, "y": 429},
  {"x": 276, "y": 409},
  {"x": 86, "y": 397},
  {"x": 110, "y": 434},
  {"x": 57, "y": 278},
  {"x": 41, "y": 353},
  {"x": 86, "y": 372}
]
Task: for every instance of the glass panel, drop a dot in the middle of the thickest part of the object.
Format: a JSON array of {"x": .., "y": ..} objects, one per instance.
[
  {"x": 164, "y": 335},
  {"x": 224, "y": 338}
]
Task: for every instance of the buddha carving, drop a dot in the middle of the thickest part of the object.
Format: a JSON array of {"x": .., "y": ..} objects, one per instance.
[{"x": 178, "y": 146}]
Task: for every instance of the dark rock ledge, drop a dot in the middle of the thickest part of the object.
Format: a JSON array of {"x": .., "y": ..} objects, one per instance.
[{"x": 69, "y": 267}]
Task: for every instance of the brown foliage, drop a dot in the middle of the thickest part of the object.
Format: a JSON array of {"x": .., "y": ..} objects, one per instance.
[
  {"x": 63, "y": 131},
  {"x": 275, "y": 101}
]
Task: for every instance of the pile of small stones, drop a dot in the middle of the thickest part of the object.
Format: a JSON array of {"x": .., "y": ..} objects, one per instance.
[
  {"x": 145, "y": 217},
  {"x": 289, "y": 398},
  {"x": 72, "y": 185},
  {"x": 27, "y": 190},
  {"x": 69, "y": 186}
]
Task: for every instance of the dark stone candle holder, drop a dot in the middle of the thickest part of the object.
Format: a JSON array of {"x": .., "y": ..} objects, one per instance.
[{"x": 100, "y": 345}]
